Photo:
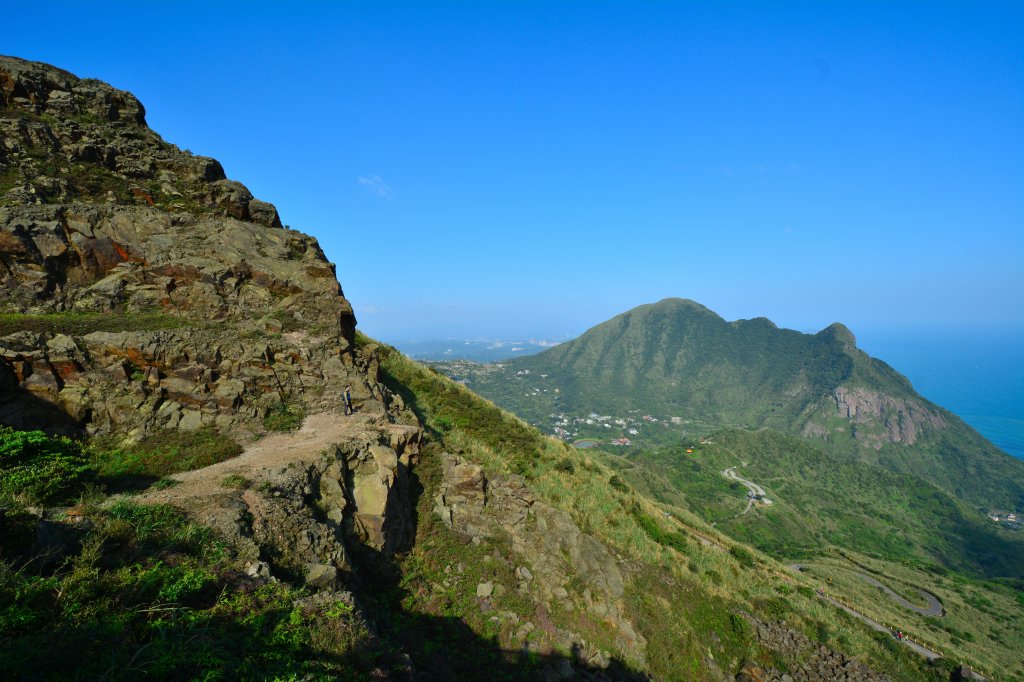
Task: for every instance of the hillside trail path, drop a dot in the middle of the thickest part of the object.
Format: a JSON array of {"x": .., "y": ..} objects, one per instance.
[
  {"x": 317, "y": 433},
  {"x": 874, "y": 624}
]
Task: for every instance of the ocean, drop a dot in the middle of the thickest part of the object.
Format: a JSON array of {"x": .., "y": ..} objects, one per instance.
[{"x": 979, "y": 377}]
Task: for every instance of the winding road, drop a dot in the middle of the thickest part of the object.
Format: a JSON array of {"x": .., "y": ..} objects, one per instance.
[
  {"x": 934, "y": 607},
  {"x": 875, "y": 625},
  {"x": 754, "y": 488}
]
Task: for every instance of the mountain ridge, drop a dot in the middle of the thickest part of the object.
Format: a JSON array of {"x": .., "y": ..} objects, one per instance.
[{"x": 678, "y": 358}]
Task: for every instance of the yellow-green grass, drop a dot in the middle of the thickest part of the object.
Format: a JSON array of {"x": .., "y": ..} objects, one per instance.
[{"x": 982, "y": 623}]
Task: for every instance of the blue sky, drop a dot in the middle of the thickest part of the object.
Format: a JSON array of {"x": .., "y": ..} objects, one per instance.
[{"x": 532, "y": 169}]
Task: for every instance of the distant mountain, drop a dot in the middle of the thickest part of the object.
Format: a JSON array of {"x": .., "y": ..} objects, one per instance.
[{"x": 676, "y": 358}]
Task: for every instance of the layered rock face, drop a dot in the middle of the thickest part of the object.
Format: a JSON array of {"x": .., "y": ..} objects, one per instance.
[
  {"x": 902, "y": 419},
  {"x": 99, "y": 215},
  {"x": 875, "y": 419}
]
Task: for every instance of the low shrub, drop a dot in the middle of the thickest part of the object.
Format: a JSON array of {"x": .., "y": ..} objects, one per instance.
[
  {"x": 565, "y": 464},
  {"x": 673, "y": 539},
  {"x": 774, "y": 608},
  {"x": 236, "y": 481},
  {"x": 40, "y": 467},
  {"x": 164, "y": 453},
  {"x": 75, "y": 323},
  {"x": 742, "y": 555},
  {"x": 284, "y": 417}
]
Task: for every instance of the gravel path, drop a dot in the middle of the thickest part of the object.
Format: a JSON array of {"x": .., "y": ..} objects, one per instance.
[{"x": 317, "y": 432}]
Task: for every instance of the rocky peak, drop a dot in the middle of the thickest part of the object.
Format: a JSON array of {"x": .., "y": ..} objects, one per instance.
[
  {"x": 98, "y": 214},
  {"x": 40, "y": 88}
]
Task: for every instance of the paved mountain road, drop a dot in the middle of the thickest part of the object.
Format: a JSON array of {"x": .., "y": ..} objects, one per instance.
[
  {"x": 933, "y": 608},
  {"x": 754, "y": 489}
]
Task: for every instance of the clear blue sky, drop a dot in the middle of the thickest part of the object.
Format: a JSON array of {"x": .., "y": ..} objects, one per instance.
[{"x": 500, "y": 168}]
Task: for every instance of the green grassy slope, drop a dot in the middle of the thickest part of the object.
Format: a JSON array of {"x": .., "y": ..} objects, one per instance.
[{"x": 821, "y": 500}]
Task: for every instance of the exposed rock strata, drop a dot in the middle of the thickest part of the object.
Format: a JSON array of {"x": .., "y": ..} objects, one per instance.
[
  {"x": 876, "y": 419},
  {"x": 98, "y": 214},
  {"x": 301, "y": 513}
]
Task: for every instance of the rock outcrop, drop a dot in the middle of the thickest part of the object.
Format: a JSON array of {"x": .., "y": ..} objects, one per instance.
[
  {"x": 559, "y": 562},
  {"x": 810, "y": 661},
  {"x": 875, "y": 419},
  {"x": 902, "y": 419},
  {"x": 222, "y": 312},
  {"x": 310, "y": 498}
]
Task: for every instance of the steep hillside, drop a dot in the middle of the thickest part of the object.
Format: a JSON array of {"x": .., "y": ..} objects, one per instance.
[
  {"x": 694, "y": 372},
  {"x": 820, "y": 500}
]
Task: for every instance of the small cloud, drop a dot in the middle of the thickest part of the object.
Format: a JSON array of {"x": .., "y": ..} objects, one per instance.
[
  {"x": 376, "y": 184},
  {"x": 370, "y": 310}
]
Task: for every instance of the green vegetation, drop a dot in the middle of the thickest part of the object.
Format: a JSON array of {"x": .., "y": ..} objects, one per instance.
[
  {"x": 37, "y": 468},
  {"x": 718, "y": 586},
  {"x": 284, "y": 417},
  {"x": 673, "y": 539},
  {"x": 980, "y": 620},
  {"x": 166, "y": 603},
  {"x": 40, "y": 468},
  {"x": 161, "y": 454},
  {"x": 678, "y": 360},
  {"x": 445, "y": 407},
  {"x": 77, "y": 323},
  {"x": 821, "y": 501},
  {"x": 236, "y": 481}
]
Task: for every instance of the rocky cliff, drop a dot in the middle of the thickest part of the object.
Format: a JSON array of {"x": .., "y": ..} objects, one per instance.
[{"x": 221, "y": 313}]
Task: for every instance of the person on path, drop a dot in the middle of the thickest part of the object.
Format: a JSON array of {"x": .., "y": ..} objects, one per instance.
[{"x": 346, "y": 397}]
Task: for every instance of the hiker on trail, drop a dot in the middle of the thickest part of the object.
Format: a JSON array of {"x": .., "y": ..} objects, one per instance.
[
  {"x": 899, "y": 635},
  {"x": 346, "y": 397}
]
